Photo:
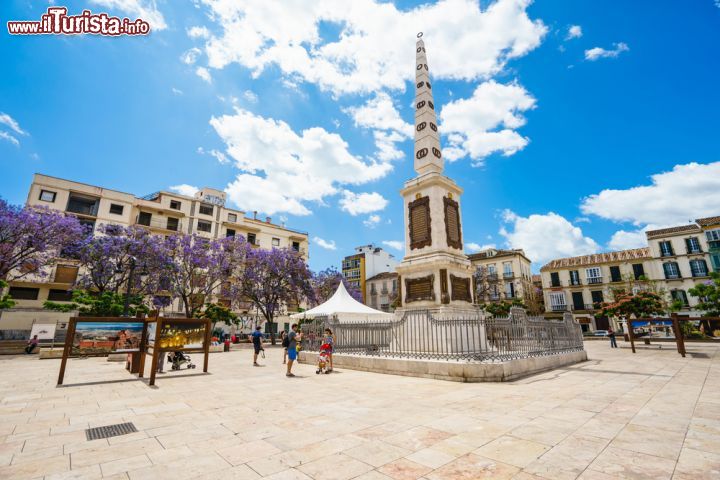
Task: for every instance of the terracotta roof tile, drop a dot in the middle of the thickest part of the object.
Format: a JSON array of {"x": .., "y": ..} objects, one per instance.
[
  {"x": 621, "y": 256},
  {"x": 706, "y": 222},
  {"x": 382, "y": 275},
  {"x": 665, "y": 231}
]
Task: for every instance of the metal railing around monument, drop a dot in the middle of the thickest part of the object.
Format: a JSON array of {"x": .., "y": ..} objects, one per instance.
[{"x": 461, "y": 335}]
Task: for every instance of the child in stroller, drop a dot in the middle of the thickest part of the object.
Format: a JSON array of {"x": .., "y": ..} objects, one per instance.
[
  {"x": 323, "y": 359},
  {"x": 177, "y": 359}
]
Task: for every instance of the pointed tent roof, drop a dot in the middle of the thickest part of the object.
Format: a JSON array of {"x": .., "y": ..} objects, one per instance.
[{"x": 343, "y": 305}]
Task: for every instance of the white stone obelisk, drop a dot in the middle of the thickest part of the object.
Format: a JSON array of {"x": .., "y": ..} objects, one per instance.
[{"x": 435, "y": 271}]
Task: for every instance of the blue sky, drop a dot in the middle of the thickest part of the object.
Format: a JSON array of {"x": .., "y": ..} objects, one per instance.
[{"x": 572, "y": 126}]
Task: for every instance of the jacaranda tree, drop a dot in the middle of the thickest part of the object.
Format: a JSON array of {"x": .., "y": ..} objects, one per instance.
[
  {"x": 31, "y": 238},
  {"x": 272, "y": 279},
  {"x": 326, "y": 282}
]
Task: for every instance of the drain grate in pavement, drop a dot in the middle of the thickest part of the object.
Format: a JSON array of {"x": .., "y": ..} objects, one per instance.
[{"x": 109, "y": 431}]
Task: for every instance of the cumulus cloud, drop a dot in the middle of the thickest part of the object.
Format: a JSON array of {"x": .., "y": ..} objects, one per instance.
[
  {"x": 203, "y": 73},
  {"x": 546, "y": 237},
  {"x": 282, "y": 169},
  {"x": 686, "y": 192},
  {"x": 220, "y": 156},
  {"x": 359, "y": 203},
  {"x": 598, "y": 52},
  {"x": 327, "y": 245},
  {"x": 250, "y": 96},
  {"x": 379, "y": 113},
  {"x": 575, "y": 31},
  {"x": 394, "y": 244},
  {"x": 185, "y": 189},
  {"x": 473, "y": 247},
  {"x": 625, "y": 240},
  {"x": 372, "y": 221},
  {"x": 486, "y": 122},
  {"x": 371, "y": 51},
  {"x": 198, "y": 32},
  {"x": 190, "y": 56},
  {"x": 145, "y": 9}
]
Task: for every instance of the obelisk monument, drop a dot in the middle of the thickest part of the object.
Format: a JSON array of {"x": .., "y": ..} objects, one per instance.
[{"x": 435, "y": 272}]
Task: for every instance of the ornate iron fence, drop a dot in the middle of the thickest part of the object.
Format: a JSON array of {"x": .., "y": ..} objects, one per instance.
[{"x": 462, "y": 335}]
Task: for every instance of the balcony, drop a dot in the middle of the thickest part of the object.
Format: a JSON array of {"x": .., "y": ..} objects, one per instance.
[
  {"x": 555, "y": 284},
  {"x": 701, "y": 274},
  {"x": 508, "y": 274},
  {"x": 587, "y": 307},
  {"x": 558, "y": 308},
  {"x": 667, "y": 254},
  {"x": 673, "y": 276},
  {"x": 594, "y": 280},
  {"x": 83, "y": 205},
  {"x": 161, "y": 223},
  {"x": 492, "y": 277},
  {"x": 694, "y": 251},
  {"x": 574, "y": 283}
]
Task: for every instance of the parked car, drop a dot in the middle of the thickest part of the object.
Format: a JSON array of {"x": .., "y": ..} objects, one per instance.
[{"x": 601, "y": 333}]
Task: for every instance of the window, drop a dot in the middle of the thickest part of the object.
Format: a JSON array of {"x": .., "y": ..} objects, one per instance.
[
  {"x": 681, "y": 296},
  {"x": 491, "y": 269},
  {"x": 597, "y": 298},
  {"x": 24, "y": 293},
  {"x": 296, "y": 246},
  {"x": 232, "y": 217},
  {"x": 173, "y": 224},
  {"x": 593, "y": 275},
  {"x": 394, "y": 285},
  {"x": 206, "y": 209},
  {"x": 666, "y": 249},
  {"x": 204, "y": 226},
  {"x": 693, "y": 245},
  {"x": 574, "y": 277},
  {"x": 57, "y": 295},
  {"x": 175, "y": 205},
  {"x": 116, "y": 209},
  {"x": 713, "y": 235},
  {"x": 275, "y": 242},
  {"x": 509, "y": 290},
  {"x": 229, "y": 232},
  {"x": 638, "y": 270},
  {"x": 494, "y": 295},
  {"x": 66, "y": 274},
  {"x": 47, "y": 196},
  {"x": 144, "y": 218},
  {"x": 715, "y": 261},
  {"x": 507, "y": 269},
  {"x": 615, "y": 274},
  {"x": 557, "y": 301},
  {"x": 698, "y": 268},
  {"x": 671, "y": 270},
  {"x": 578, "y": 301},
  {"x": 554, "y": 279},
  {"x": 251, "y": 238},
  {"x": 82, "y": 205}
]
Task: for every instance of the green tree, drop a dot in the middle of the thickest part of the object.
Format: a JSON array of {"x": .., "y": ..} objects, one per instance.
[
  {"x": 219, "y": 313},
  {"x": 709, "y": 295},
  {"x": 5, "y": 300},
  {"x": 99, "y": 304}
]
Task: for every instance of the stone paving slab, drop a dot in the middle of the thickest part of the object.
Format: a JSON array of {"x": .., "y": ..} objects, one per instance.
[{"x": 650, "y": 415}]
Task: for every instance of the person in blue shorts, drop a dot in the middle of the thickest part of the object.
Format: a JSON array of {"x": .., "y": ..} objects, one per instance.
[
  {"x": 293, "y": 338},
  {"x": 257, "y": 337}
]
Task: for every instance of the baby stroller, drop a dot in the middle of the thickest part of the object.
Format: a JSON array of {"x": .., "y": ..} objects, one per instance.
[
  {"x": 323, "y": 359},
  {"x": 178, "y": 359}
]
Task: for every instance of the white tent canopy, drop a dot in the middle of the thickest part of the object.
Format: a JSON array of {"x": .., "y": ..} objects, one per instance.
[{"x": 344, "y": 307}]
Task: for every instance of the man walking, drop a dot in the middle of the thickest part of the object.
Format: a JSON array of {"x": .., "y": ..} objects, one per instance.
[
  {"x": 293, "y": 338},
  {"x": 611, "y": 334},
  {"x": 257, "y": 337}
]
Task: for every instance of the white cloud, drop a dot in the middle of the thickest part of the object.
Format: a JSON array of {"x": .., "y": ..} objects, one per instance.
[
  {"x": 203, "y": 73},
  {"x": 185, "y": 189},
  {"x": 9, "y": 138},
  {"x": 372, "y": 221},
  {"x": 358, "y": 203},
  {"x": 198, "y": 32},
  {"x": 373, "y": 49},
  {"x": 220, "y": 156},
  {"x": 575, "y": 31},
  {"x": 598, "y": 52},
  {"x": 191, "y": 56},
  {"x": 327, "y": 245},
  {"x": 394, "y": 244},
  {"x": 625, "y": 240},
  {"x": 283, "y": 169},
  {"x": 145, "y": 9},
  {"x": 476, "y": 247},
  {"x": 379, "y": 113},
  {"x": 686, "y": 192},
  {"x": 177, "y": 91},
  {"x": 486, "y": 122},
  {"x": 546, "y": 237},
  {"x": 6, "y": 119},
  {"x": 250, "y": 96}
]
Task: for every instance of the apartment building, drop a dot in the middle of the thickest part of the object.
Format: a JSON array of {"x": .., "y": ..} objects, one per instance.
[
  {"x": 502, "y": 275},
  {"x": 366, "y": 262},
  {"x": 382, "y": 290},
  {"x": 162, "y": 212},
  {"x": 580, "y": 284},
  {"x": 682, "y": 258}
]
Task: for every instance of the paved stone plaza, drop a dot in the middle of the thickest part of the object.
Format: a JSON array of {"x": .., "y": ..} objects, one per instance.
[{"x": 651, "y": 415}]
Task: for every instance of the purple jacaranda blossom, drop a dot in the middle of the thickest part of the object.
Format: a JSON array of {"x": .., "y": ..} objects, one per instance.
[
  {"x": 326, "y": 282},
  {"x": 32, "y": 238}
]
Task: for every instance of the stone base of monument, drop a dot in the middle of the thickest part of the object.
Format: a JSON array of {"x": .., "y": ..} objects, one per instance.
[{"x": 469, "y": 372}]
